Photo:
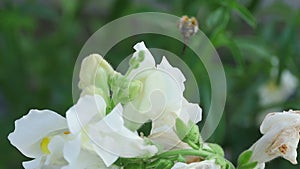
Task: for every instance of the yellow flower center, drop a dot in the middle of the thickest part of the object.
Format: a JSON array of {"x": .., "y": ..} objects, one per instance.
[
  {"x": 44, "y": 145},
  {"x": 67, "y": 132}
]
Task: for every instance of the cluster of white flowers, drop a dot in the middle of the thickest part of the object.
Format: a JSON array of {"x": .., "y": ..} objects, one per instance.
[{"x": 101, "y": 130}]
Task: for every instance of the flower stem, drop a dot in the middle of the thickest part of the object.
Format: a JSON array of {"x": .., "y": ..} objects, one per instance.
[{"x": 189, "y": 152}]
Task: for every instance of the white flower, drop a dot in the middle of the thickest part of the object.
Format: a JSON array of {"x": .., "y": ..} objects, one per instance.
[
  {"x": 207, "y": 164},
  {"x": 161, "y": 99},
  {"x": 162, "y": 90},
  {"x": 281, "y": 137},
  {"x": 106, "y": 135},
  {"x": 44, "y": 136},
  {"x": 163, "y": 132},
  {"x": 271, "y": 93}
]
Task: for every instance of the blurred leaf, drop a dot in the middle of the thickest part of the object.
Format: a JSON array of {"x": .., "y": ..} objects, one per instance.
[
  {"x": 244, "y": 13},
  {"x": 219, "y": 18},
  {"x": 253, "y": 48}
]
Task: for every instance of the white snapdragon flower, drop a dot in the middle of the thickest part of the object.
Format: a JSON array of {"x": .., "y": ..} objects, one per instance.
[
  {"x": 207, "y": 164},
  {"x": 161, "y": 99},
  {"x": 281, "y": 137},
  {"x": 106, "y": 135},
  {"x": 162, "y": 90},
  {"x": 44, "y": 136},
  {"x": 271, "y": 93}
]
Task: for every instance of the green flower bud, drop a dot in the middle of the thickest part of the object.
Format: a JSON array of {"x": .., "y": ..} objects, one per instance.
[
  {"x": 94, "y": 76},
  {"x": 124, "y": 90}
]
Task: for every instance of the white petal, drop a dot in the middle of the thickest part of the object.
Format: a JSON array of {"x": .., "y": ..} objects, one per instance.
[
  {"x": 88, "y": 108},
  {"x": 87, "y": 160},
  {"x": 30, "y": 129},
  {"x": 260, "y": 166},
  {"x": 33, "y": 164},
  {"x": 147, "y": 63},
  {"x": 190, "y": 112},
  {"x": 173, "y": 71},
  {"x": 280, "y": 120},
  {"x": 160, "y": 94},
  {"x": 71, "y": 151},
  {"x": 168, "y": 139},
  {"x": 207, "y": 164},
  {"x": 276, "y": 143},
  {"x": 112, "y": 136},
  {"x": 56, "y": 157}
]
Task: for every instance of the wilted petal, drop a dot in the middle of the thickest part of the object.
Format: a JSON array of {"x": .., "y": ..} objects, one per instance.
[
  {"x": 276, "y": 143},
  {"x": 280, "y": 120},
  {"x": 30, "y": 129}
]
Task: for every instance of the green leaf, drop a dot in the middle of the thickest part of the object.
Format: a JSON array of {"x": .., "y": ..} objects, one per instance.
[
  {"x": 244, "y": 13},
  {"x": 217, "y": 18},
  {"x": 181, "y": 128},
  {"x": 245, "y": 157},
  {"x": 251, "y": 165}
]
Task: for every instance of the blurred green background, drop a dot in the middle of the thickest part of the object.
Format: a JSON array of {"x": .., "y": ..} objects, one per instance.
[{"x": 41, "y": 39}]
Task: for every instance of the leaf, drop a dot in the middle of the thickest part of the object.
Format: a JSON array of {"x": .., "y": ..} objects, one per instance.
[
  {"x": 217, "y": 18},
  {"x": 245, "y": 157},
  {"x": 244, "y": 13},
  {"x": 243, "y": 161},
  {"x": 251, "y": 165},
  {"x": 181, "y": 128}
]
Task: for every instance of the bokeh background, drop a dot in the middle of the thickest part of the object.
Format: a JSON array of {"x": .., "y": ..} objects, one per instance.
[{"x": 256, "y": 41}]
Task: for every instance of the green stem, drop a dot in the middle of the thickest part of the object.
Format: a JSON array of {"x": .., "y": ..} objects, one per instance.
[
  {"x": 190, "y": 152},
  {"x": 193, "y": 145}
]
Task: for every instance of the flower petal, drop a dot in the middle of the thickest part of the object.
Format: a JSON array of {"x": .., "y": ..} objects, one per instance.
[
  {"x": 112, "y": 136},
  {"x": 88, "y": 108},
  {"x": 147, "y": 63},
  {"x": 276, "y": 143},
  {"x": 190, "y": 112},
  {"x": 280, "y": 120},
  {"x": 56, "y": 157},
  {"x": 173, "y": 71},
  {"x": 160, "y": 94},
  {"x": 33, "y": 164},
  {"x": 206, "y": 164},
  {"x": 71, "y": 151}
]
